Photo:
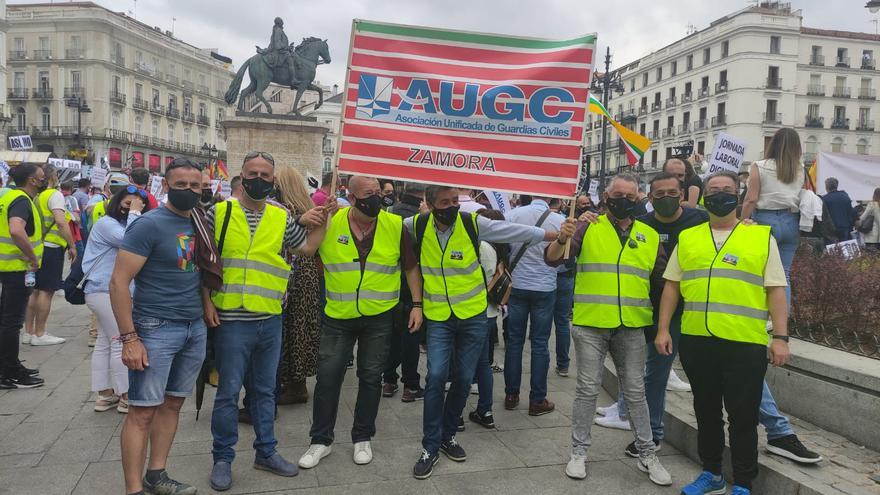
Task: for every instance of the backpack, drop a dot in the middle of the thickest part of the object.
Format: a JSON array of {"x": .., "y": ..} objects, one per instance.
[{"x": 420, "y": 225}]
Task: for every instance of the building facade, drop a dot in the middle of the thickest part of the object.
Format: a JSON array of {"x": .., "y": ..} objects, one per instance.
[
  {"x": 748, "y": 74},
  {"x": 91, "y": 83}
]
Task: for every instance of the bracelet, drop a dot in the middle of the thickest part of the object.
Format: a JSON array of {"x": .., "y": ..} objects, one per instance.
[
  {"x": 129, "y": 341},
  {"x": 417, "y": 304},
  {"x": 127, "y": 337},
  {"x": 783, "y": 338}
]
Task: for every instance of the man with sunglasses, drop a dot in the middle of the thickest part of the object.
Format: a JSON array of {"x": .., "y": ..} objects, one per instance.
[
  {"x": 163, "y": 338},
  {"x": 246, "y": 311}
]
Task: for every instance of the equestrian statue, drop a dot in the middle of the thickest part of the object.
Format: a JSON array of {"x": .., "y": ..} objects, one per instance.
[{"x": 281, "y": 63}]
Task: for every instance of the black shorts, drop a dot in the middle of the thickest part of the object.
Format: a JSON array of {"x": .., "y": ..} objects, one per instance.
[{"x": 51, "y": 269}]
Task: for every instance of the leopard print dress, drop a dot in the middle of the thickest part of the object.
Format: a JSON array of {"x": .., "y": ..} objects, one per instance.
[{"x": 302, "y": 320}]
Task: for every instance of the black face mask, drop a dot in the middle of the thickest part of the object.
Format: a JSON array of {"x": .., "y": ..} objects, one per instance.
[
  {"x": 369, "y": 206},
  {"x": 720, "y": 204},
  {"x": 207, "y": 195},
  {"x": 42, "y": 185},
  {"x": 183, "y": 199},
  {"x": 666, "y": 206},
  {"x": 446, "y": 216},
  {"x": 388, "y": 201},
  {"x": 257, "y": 188},
  {"x": 621, "y": 208}
]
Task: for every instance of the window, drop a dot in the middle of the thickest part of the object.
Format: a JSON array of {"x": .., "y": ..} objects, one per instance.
[
  {"x": 644, "y": 79},
  {"x": 139, "y": 91},
  {"x": 722, "y": 77},
  {"x": 721, "y": 111},
  {"x": 659, "y": 74},
  {"x": 865, "y": 123},
  {"x": 654, "y": 157},
  {"x": 673, "y": 68},
  {"x": 770, "y": 108},
  {"x": 327, "y": 165},
  {"x": 172, "y": 69},
  {"x": 187, "y": 106},
  {"x": 44, "y": 43},
  {"x": 116, "y": 85},
  {"x": 813, "y": 111},
  {"x": 154, "y": 129},
  {"x": 642, "y": 129},
  {"x": 20, "y": 119},
  {"x": 686, "y": 118},
  {"x": 18, "y": 81},
  {"x": 114, "y": 119},
  {"x": 707, "y": 55},
  {"x": 18, "y": 43},
  {"x": 632, "y": 84},
  {"x": 688, "y": 88},
  {"x": 203, "y": 110},
  {"x": 815, "y": 79},
  {"x": 172, "y": 102},
  {"x": 701, "y": 147},
  {"x": 839, "y": 115},
  {"x": 45, "y": 119},
  {"x": 44, "y": 80},
  {"x": 221, "y": 115},
  {"x": 812, "y": 145},
  {"x": 670, "y": 122},
  {"x": 201, "y": 136},
  {"x": 76, "y": 79},
  {"x": 773, "y": 80},
  {"x": 139, "y": 58},
  {"x": 187, "y": 75},
  {"x": 657, "y": 98},
  {"x": 842, "y": 57},
  {"x": 704, "y": 83},
  {"x": 816, "y": 57},
  {"x": 862, "y": 147},
  {"x": 725, "y": 46},
  {"x": 186, "y": 135},
  {"x": 837, "y": 145},
  {"x": 172, "y": 133},
  {"x": 775, "y": 44},
  {"x": 672, "y": 94},
  {"x": 868, "y": 59},
  {"x": 689, "y": 62},
  {"x": 703, "y": 113},
  {"x": 656, "y": 127},
  {"x": 139, "y": 125},
  {"x": 76, "y": 42}
]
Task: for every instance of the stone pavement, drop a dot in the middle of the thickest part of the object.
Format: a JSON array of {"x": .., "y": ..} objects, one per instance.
[{"x": 52, "y": 442}]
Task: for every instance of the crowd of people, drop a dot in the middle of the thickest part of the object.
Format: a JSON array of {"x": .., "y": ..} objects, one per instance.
[{"x": 274, "y": 285}]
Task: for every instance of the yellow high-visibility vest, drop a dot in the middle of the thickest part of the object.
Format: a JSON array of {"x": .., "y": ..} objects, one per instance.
[
  {"x": 352, "y": 292},
  {"x": 613, "y": 282},
  {"x": 11, "y": 258},
  {"x": 454, "y": 282},
  {"x": 723, "y": 289},
  {"x": 98, "y": 211},
  {"x": 51, "y": 232},
  {"x": 254, "y": 273}
]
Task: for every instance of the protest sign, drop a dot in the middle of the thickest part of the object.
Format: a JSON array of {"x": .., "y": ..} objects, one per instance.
[
  {"x": 4, "y": 173},
  {"x": 728, "y": 154},
  {"x": 481, "y": 111},
  {"x": 225, "y": 189},
  {"x": 499, "y": 201},
  {"x": 98, "y": 176},
  {"x": 20, "y": 143},
  {"x": 72, "y": 164},
  {"x": 156, "y": 186},
  {"x": 56, "y": 162},
  {"x": 594, "y": 192},
  {"x": 847, "y": 249}
]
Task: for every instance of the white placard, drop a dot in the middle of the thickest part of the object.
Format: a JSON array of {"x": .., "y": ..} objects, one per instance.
[
  {"x": 72, "y": 164},
  {"x": 98, "y": 177},
  {"x": 499, "y": 201},
  {"x": 847, "y": 249},
  {"x": 215, "y": 185},
  {"x": 56, "y": 162},
  {"x": 225, "y": 189},
  {"x": 20, "y": 143},
  {"x": 156, "y": 186},
  {"x": 728, "y": 154},
  {"x": 593, "y": 191},
  {"x": 4, "y": 173}
]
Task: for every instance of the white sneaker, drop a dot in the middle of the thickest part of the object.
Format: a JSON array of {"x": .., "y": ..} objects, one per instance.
[
  {"x": 614, "y": 422},
  {"x": 363, "y": 453},
  {"x": 656, "y": 472},
  {"x": 105, "y": 403},
  {"x": 475, "y": 390},
  {"x": 607, "y": 410},
  {"x": 576, "y": 467},
  {"x": 676, "y": 384},
  {"x": 314, "y": 455},
  {"x": 26, "y": 337},
  {"x": 47, "y": 339}
]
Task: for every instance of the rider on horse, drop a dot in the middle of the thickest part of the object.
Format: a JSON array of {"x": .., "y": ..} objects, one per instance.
[{"x": 278, "y": 53}]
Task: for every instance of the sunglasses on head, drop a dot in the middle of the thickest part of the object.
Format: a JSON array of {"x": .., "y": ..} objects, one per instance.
[
  {"x": 183, "y": 162},
  {"x": 135, "y": 190},
  {"x": 261, "y": 154}
]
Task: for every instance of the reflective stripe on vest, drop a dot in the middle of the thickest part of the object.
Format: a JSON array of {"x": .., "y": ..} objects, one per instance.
[
  {"x": 351, "y": 293},
  {"x": 612, "y": 284},
  {"x": 453, "y": 278},
  {"x": 98, "y": 211},
  {"x": 11, "y": 258},
  {"x": 255, "y": 275},
  {"x": 723, "y": 289},
  {"x": 51, "y": 231}
]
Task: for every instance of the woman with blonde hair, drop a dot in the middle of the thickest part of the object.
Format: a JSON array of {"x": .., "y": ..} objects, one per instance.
[
  {"x": 302, "y": 310},
  {"x": 871, "y": 216}
]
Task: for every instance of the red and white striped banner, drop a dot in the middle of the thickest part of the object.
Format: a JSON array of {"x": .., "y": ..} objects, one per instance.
[{"x": 480, "y": 111}]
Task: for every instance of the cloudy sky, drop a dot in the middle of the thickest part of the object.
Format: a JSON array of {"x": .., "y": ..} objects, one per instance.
[{"x": 631, "y": 27}]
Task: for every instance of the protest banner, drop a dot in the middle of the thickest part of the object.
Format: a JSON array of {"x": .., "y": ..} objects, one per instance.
[
  {"x": 71, "y": 164},
  {"x": 499, "y": 201},
  {"x": 594, "y": 192},
  {"x": 728, "y": 154},
  {"x": 858, "y": 175},
  {"x": 20, "y": 143},
  {"x": 156, "y": 186},
  {"x": 847, "y": 249},
  {"x": 225, "y": 189},
  {"x": 98, "y": 176},
  {"x": 4, "y": 173},
  {"x": 56, "y": 162},
  {"x": 474, "y": 110}
]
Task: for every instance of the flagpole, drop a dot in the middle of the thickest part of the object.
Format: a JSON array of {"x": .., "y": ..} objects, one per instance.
[{"x": 342, "y": 117}]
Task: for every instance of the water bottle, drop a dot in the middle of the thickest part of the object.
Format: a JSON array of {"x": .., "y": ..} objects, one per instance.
[{"x": 30, "y": 279}]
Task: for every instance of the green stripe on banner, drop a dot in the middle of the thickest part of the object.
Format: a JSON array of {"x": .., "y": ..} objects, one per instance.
[{"x": 459, "y": 36}]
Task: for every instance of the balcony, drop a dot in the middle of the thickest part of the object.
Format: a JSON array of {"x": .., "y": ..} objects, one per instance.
[
  {"x": 42, "y": 54},
  {"x": 117, "y": 98},
  {"x": 74, "y": 53},
  {"x": 701, "y": 125},
  {"x": 42, "y": 132},
  {"x": 157, "y": 108},
  {"x": 188, "y": 85},
  {"x": 76, "y": 92},
  {"x": 841, "y": 62},
  {"x": 869, "y": 64},
  {"x": 719, "y": 121},
  {"x": 684, "y": 128},
  {"x": 816, "y": 90},
  {"x": 772, "y": 118},
  {"x": 656, "y": 106},
  {"x": 171, "y": 79},
  {"x": 203, "y": 89},
  {"x": 816, "y": 59},
  {"x": 814, "y": 121},
  {"x": 840, "y": 123},
  {"x": 172, "y": 113},
  {"x": 140, "y": 139},
  {"x": 774, "y": 83},
  {"x": 643, "y": 111},
  {"x": 840, "y": 92},
  {"x": 670, "y": 102},
  {"x": 703, "y": 92},
  {"x": 139, "y": 104},
  {"x": 17, "y": 94},
  {"x": 117, "y": 59},
  {"x": 867, "y": 94},
  {"x": 865, "y": 125},
  {"x": 668, "y": 132},
  {"x": 687, "y": 97},
  {"x": 654, "y": 134},
  {"x": 721, "y": 87},
  {"x": 44, "y": 93},
  {"x": 18, "y": 55},
  {"x": 188, "y": 117},
  {"x": 117, "y": 135},
  {"x": 203, "y": 120}
]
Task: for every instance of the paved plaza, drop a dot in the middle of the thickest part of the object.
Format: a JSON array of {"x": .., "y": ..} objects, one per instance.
[{"x": 52, "y": 442}]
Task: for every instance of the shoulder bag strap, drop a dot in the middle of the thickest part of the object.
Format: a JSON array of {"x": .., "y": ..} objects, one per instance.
[
  {"x": 470, "y": 226},
  {"x": 226, "y": 218},
  {"x": 522, "y": 249}
]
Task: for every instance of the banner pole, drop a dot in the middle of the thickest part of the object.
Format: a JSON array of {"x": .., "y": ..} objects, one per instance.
[
  {"x": 342, "y": 116},
  {"x": 571, "y": 204}
]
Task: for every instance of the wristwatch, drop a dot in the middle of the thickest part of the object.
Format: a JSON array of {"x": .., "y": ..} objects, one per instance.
[{"x": 783, "y": 338}]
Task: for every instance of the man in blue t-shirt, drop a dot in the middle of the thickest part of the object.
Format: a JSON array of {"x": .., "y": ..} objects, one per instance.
[{"x": 162, "y": 328}]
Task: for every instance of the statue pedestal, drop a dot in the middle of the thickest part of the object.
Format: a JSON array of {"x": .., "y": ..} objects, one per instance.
[{"x": 291, "y": 140}]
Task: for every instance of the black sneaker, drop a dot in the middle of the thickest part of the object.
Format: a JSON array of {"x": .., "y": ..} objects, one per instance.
[
  {"x": 486, "y": 420},
  {"x": 22, "y": 380},
  {"x": 792, "y": 448},
  {"x": 425, "y": 465},
  {"x": 29, "y": 371},
  {"x": 412, "y": 394},
  {"x": 633, "y": 452},
  {"x": 460, "y": 426},
  {"x": 453, "y": 450},
  {"x": 167, "y": 486}
]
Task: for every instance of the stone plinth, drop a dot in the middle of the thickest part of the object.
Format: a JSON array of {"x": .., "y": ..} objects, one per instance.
[{"x": 290, "y": 140}]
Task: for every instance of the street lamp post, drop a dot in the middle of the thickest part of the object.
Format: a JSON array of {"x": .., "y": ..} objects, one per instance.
[
  {"x": 81, "y": 108},
  {"x": 212, "y": 152},
  {"x": 610, "y": 81}
]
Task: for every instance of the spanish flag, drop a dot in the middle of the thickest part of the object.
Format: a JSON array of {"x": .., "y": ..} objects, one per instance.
[
  {"x": 219, "y": 171},
  {"x": 634, "y": 143}
]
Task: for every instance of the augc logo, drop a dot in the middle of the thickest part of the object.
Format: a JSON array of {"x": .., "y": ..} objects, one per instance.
[{"x": 374, "y": 95}]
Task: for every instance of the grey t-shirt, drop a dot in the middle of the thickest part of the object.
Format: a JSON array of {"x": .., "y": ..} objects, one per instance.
[{"x": 167, "y": 287}]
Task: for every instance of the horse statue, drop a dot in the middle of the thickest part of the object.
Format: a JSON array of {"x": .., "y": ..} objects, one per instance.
[{"x": 298, "y": 74}]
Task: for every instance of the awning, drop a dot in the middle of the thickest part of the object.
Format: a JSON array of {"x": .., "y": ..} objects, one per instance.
[{"x": 14, "y": 158}]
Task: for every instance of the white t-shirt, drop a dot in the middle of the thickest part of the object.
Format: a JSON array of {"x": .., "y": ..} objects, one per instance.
[{"x": 56, "y": 202}]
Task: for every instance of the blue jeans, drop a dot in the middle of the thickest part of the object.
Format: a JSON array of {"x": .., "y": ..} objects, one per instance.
[
  {"x": 562, "y": 319},
  {"x": 467, "y": 339},
  {"x": 784, "y": 225},
  {"x": 774, "y": 422},
  {"x": 522, "y": 305},
  {"x": 252, "y": 349},
  {"x": 176, "y": 350},
  {"x": 483, "y": 376}
]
